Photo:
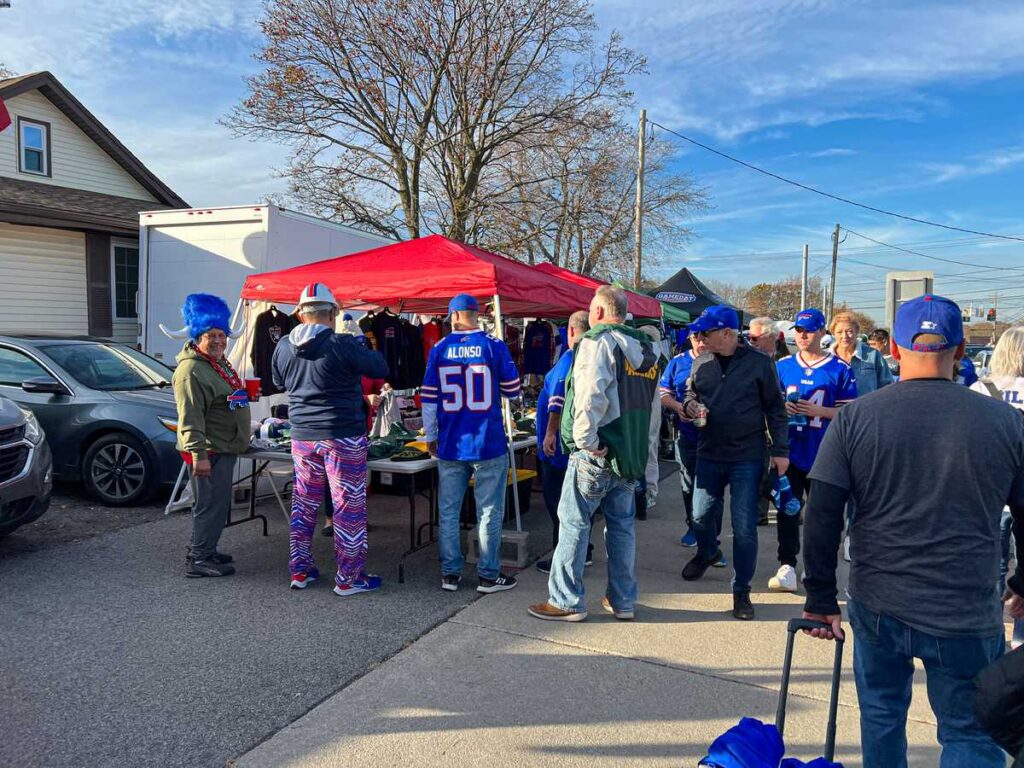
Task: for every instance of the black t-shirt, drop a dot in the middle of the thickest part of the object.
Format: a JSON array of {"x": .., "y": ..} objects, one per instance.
[
  {"x": 411, "y": 365},
  {"x": 724, "y": 360},
  {"x": 925, "y": 535},
  {"x": 388, "y": 331},
  {"x": 271, "y": 326}
]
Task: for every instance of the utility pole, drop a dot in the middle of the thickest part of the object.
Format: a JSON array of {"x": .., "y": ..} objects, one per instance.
[
  {"x": 803, "y": 279},
  {"x": 832, "y": 282},
  {"x": 638, "y": 213}
]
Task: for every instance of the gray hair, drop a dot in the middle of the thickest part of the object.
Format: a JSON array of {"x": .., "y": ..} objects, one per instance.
[
  {"x": 1008, "y": 358},
  {"x": 580, "y": 321},
  {"x": 317, "y": 309},
  {"x": 762, "y": 323},
  {"x": 613, "y": 299}
]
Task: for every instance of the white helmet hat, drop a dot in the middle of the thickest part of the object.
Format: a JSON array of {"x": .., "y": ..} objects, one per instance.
[{"x": 317, "y": 293}]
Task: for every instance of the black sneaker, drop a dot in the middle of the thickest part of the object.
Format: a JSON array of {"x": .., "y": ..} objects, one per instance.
[
  {"x": 698, "y": 565},
  {"x": 222, "y": 557},
  {"x": 742, "y": 608},
  {"x": 544, "y": 566},
  {"x": 198, "y": 569},
  {"x": 450, "y": 582},
  {"x": 500, "y": 584}
]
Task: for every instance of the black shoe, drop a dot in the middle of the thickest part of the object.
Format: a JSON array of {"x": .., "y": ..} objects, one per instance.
[
  {"x": 741, "y": 607},
  {"x": 500, "y": 584},
  {"x": 544, "y": 566},
  {"x": 698, "y": 565},
  {"x": 763, "y": 520},
  {"x": 222, "y": 558},
  {"x": 197, "y": 569},
  {"x": 450, "y": 582}
]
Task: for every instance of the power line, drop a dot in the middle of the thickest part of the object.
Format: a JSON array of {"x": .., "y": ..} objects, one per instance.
[
  {"x": 926, "y": 256},
  {"x": 831, "y": 196}
]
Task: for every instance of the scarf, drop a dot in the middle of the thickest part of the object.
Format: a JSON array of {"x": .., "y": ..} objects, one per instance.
[{"x": 222, "y": 367}]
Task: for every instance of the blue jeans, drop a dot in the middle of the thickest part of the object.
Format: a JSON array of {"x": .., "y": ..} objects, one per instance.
[
  {"x": 883, "y": 666},
  {"x": 490, "y": 481},
  {"x": 589, "y": 484},
  {"x": 744, "y": 481}
]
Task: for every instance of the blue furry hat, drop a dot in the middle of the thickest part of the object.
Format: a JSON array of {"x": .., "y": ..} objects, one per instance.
[{"x": 203, "y": 311}]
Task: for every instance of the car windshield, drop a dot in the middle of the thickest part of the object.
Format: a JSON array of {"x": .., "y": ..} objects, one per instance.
[{"x": 110, "y": 367}]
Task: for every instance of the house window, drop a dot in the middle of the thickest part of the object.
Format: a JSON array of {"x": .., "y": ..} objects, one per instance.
[
  {"x": 126, "y": 280},
  {"x": 34, "y": 147}
]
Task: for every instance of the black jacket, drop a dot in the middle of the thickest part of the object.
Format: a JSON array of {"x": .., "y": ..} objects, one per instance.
[
  {"x": 999, "y": 699},
  {"x": 741, "y": 402}
]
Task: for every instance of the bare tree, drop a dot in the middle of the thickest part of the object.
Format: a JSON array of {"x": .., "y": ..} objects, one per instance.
[
  {"x": 5, "y": 72},
  {"x": 397, "y": 110}
]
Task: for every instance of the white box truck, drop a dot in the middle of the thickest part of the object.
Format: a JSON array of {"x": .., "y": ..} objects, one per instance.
[{"x": 212, "y": 250}]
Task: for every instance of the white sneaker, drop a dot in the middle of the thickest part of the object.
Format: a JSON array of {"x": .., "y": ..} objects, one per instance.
[
  {"x": 784, "y": 580},
  {"x": 846, "y": 549}
]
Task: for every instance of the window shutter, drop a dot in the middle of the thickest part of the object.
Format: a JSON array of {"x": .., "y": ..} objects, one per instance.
[{"x": 97, "y": 275}]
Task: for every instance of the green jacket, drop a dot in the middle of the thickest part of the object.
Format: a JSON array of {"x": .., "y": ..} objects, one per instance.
[
  {"x": 205, "y": 423},
  {"x": 609, "y": 394}
]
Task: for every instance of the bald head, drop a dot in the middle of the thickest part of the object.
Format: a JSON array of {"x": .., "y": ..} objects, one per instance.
[
  {"x": 609, "y": 305},
  {"x": 579, "y": 324}
]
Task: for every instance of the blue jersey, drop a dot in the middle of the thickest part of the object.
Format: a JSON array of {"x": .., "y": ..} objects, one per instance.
[
  {"x": 673, "y": 382},
  {"x": 829, "y": 382},
  {"x": 468, "y": 372},
  {"x": 550, "y": 402}
]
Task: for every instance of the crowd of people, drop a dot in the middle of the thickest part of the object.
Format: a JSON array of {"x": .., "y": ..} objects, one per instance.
[{"x": 928, "y": 518}]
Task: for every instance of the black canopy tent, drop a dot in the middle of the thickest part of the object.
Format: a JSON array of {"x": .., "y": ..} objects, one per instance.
[{"x": 685, "y": 291}]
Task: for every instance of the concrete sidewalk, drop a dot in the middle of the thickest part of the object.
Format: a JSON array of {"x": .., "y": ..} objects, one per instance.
[{"x": 493, "y": 686}]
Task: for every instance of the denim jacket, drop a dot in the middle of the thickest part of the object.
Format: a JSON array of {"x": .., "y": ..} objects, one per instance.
[{"x": 870, "y": 368}]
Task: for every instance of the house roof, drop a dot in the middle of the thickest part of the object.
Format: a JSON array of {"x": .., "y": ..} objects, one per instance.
[
  {"x": 28, "y": 202},
  {"x": 65, "y": 101}
]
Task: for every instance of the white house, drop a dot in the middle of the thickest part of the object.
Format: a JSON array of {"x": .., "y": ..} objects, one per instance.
[{"x": 70, "y": 197}]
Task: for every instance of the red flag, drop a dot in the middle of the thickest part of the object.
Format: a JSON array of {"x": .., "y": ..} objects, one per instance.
[{"x": 5, "y": 117}]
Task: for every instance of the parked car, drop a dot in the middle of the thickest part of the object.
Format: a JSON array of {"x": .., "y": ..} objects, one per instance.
[
  {"x": 107, "y": 409},
  {"x": 26, "y": 468}
]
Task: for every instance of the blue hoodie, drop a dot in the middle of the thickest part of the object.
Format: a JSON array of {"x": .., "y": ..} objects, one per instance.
[{"x": 322, "y": 372}]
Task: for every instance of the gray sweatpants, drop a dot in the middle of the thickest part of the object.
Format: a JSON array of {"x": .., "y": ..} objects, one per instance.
[{"x": 212, "y": 502}]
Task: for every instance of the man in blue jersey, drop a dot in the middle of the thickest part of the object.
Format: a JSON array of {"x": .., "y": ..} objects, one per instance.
[
  {"x": 553, "y": 461},
  {"x": 468, "y": 372},
  {"x": 823, "y": 383},
  {"x": 673, "y": 389}
]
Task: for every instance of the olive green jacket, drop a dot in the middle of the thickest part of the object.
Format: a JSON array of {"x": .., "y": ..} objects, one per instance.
[{"x": 205, "y": 422}]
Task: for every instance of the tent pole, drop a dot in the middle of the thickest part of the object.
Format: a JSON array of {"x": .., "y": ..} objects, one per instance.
[{"x": 506, "y": 411}]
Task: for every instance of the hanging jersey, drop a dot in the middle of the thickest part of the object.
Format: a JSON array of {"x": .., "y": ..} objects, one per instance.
[
  {"x": 388, "y": 332},
  {"x": 431, "y": 335},
  {"x": 538, "y": 348},
  {"x": 467, "y": 375},
  {"x": 368, "y": 325},
  {"x": 673, "y": 382},
  {"x": 828, "y": 382}
]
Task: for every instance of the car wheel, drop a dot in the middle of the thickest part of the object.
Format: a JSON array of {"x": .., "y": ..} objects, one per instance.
[{"x": 117, "y": 471}]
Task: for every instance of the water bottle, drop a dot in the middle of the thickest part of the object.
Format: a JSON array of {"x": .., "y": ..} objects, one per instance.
[
  {"x": 783, "y": 498},
  {"x": 793, "y": 396}
]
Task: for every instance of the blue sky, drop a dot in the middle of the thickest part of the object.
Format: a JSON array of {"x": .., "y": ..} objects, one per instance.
[{"x": 913, "y": 107}]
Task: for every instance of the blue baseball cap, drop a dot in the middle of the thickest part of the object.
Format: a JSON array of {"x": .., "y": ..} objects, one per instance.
[
  {"x": 809, "y": 320},
  {"x": 934, "y": 315},
  {"x": 715, "y": 317},
  {"x": 463, "y": 303}
]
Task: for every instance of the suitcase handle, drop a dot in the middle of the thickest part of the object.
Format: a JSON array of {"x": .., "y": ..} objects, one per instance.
[{"x": 794, "y": 626}]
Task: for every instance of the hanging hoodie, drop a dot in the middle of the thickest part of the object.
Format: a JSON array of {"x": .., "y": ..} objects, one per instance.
[
  {"x": 609, "y": 396},
  {"x": 322, "y": 372}
]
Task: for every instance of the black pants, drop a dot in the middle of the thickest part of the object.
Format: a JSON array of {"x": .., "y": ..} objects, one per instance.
[
  {"x": 686, "y": 455},
  {"x": 551, "y": 479},
  {"x": 789, "y": 525}
]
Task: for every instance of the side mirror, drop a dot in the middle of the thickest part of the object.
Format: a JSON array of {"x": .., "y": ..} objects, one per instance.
[{"x": 44, "y": 385}]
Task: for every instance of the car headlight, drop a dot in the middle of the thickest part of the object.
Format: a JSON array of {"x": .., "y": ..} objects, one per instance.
[
  {"x": 171, "y": 424},
  {"x": 33, "y": 431}
]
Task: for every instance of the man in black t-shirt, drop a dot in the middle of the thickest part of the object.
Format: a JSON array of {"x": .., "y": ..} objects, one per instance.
[{"x": 925, "y": 539}]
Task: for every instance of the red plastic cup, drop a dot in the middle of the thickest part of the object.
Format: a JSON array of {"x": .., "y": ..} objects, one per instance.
[{"x": 252, "y": 387}]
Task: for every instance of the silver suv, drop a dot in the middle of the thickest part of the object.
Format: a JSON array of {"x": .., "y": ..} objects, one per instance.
[{"x": 26, "y": 468}]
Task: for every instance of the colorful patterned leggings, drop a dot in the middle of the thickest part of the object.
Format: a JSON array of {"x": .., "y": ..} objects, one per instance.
[{"x": 340, "y": 463}]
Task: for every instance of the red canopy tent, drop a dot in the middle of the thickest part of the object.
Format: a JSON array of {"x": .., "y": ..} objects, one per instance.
[
  {"x": 421, "y": 276},
  {"x": 639, "y": 305}
]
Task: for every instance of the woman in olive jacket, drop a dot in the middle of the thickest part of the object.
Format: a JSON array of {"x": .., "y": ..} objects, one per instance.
[{"x": 213, "y": 427}]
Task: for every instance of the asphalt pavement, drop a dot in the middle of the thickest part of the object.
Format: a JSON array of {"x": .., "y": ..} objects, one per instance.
[{"x": 110, "y": 657}]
